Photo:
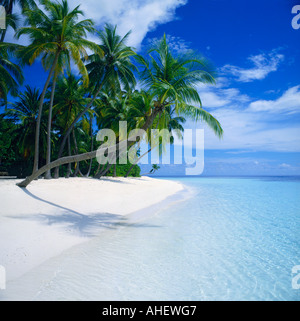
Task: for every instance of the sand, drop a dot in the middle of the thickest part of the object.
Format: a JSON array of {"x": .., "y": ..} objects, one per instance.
[{"x": 51, "y": 216}]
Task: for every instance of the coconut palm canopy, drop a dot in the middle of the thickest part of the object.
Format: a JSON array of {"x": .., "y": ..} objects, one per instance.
[{"x": 71, "y": 107}]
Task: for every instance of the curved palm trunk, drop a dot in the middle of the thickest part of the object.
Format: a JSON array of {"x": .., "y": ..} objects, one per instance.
[
  {"x": 69, "y": 164},
  {"x": 98, "y": 170},
  {"x": 104, "y": 171},
  {"x": 92, "y": 147},
  {"x": 131, "y": 168},
  {"x": 63, "y": 143},
  {"x": 38, "y": 122},
  {"x": 82, "y": 157},
  {"x": 77, "y": 165},
  {"x": 48, "y": 156}
]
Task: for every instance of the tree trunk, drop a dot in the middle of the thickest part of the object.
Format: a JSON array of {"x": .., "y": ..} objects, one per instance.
[
  {"x": 69, "y": 171},
  {"x": 105, "y": 171},
  {"x": 77, "y": 165},
  {"x": 48, "y": 156},
  {"x": 62, "y": 146},
  {"x": 92, "y": 147},
  {"x": 130, "y": 169},
  {"x": 38, "y": 122},
  {"x": 81, "y": 157},
  {"x": 98, "y": 170}
]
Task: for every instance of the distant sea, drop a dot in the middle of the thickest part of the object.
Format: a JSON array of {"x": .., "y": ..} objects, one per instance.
[{"x": 228, "y": 239}]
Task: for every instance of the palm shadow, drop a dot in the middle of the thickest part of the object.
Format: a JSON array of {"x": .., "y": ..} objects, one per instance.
[{"x": 84, "y": 224}]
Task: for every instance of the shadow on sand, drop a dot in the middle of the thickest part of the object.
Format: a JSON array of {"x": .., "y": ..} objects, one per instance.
[{"x": 85, "y": 224}]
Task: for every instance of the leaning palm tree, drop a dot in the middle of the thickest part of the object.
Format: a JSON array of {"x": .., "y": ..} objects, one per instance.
[
  {"x": 168, "y": 120},
  {"x": 55, "y": 32},
  {"x": 172, "y": 81},
  {"x": 11, "y": 75},
  {"x": 154, "y": 168},
  {"x": 113, "y": 70}
]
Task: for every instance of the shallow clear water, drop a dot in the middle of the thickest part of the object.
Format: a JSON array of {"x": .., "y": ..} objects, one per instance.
[{"x": 234, "y": 239}]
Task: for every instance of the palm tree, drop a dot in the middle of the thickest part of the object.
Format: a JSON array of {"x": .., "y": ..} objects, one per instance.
[
  {"x": 154, "y": 168},
  {"x": 55, "y": 33},
  {"x": 68, "y": 103},
  {"x": 11, "y": 75},
  {"x": 114, "y": 70},
  {"x": 172, "y": 82},
  {"x": 24, "y": 112},
  {"x": 168, "y": 120},
  {"x": 112, "y": 109}
]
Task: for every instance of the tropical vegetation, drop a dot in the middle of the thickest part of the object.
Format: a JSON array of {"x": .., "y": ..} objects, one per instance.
[{"x": 89, "y": 86}]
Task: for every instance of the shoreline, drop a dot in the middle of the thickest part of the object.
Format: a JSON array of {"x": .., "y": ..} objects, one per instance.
[{"x": 52, "y": 216}]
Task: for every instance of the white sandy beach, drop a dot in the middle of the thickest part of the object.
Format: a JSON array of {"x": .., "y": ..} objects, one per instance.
[{"x": 51, "y": 216}]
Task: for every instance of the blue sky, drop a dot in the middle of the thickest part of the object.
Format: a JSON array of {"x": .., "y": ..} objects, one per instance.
[{"x": 256, "y": 52}]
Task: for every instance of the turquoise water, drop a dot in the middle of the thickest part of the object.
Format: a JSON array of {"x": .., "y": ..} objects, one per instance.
[{"x": 234, "y": 239}]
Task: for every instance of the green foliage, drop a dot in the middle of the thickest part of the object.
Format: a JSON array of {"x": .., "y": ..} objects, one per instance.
[
  {"x": 173, "y": 82},
  {"x": 24, "y": 112},
  {"x": 11, "y": 160},
  {"x": 57, "y": 30},
  {"x": 121, "y": 170},
  {"x": 11, "y": 75},
  {"x": 100, "y": 97}
]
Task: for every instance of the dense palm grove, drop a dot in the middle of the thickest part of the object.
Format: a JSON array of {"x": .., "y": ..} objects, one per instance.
[{"x": 51, "y": 130}]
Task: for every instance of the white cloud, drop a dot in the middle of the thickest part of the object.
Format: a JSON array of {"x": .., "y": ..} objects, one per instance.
[
  {"x": 284, "y": 165},
  {"x": 263, "y": 65},
  {"x": 139, "y": 16},
  {"x": 176, "y": 44},
  {"x": 216, "y": 96},
  {"x": 250, "y": 131},
  {"x": 211, "y": 99},
  {"x": 289, "y": 103},
  {"x": 246, "y": 126}
]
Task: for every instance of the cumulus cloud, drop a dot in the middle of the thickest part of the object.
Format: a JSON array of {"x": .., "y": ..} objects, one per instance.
[
  {"x": 246, "y": 126},
  {"x": 216, "y": 96},
  {"x": 251, "y": 131},
  {"x": 139, "y": 16},
  {"x": 176, "y": 44},
  {"x": 264, "y": 64},
  {"x": 288, "y": 103}
]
